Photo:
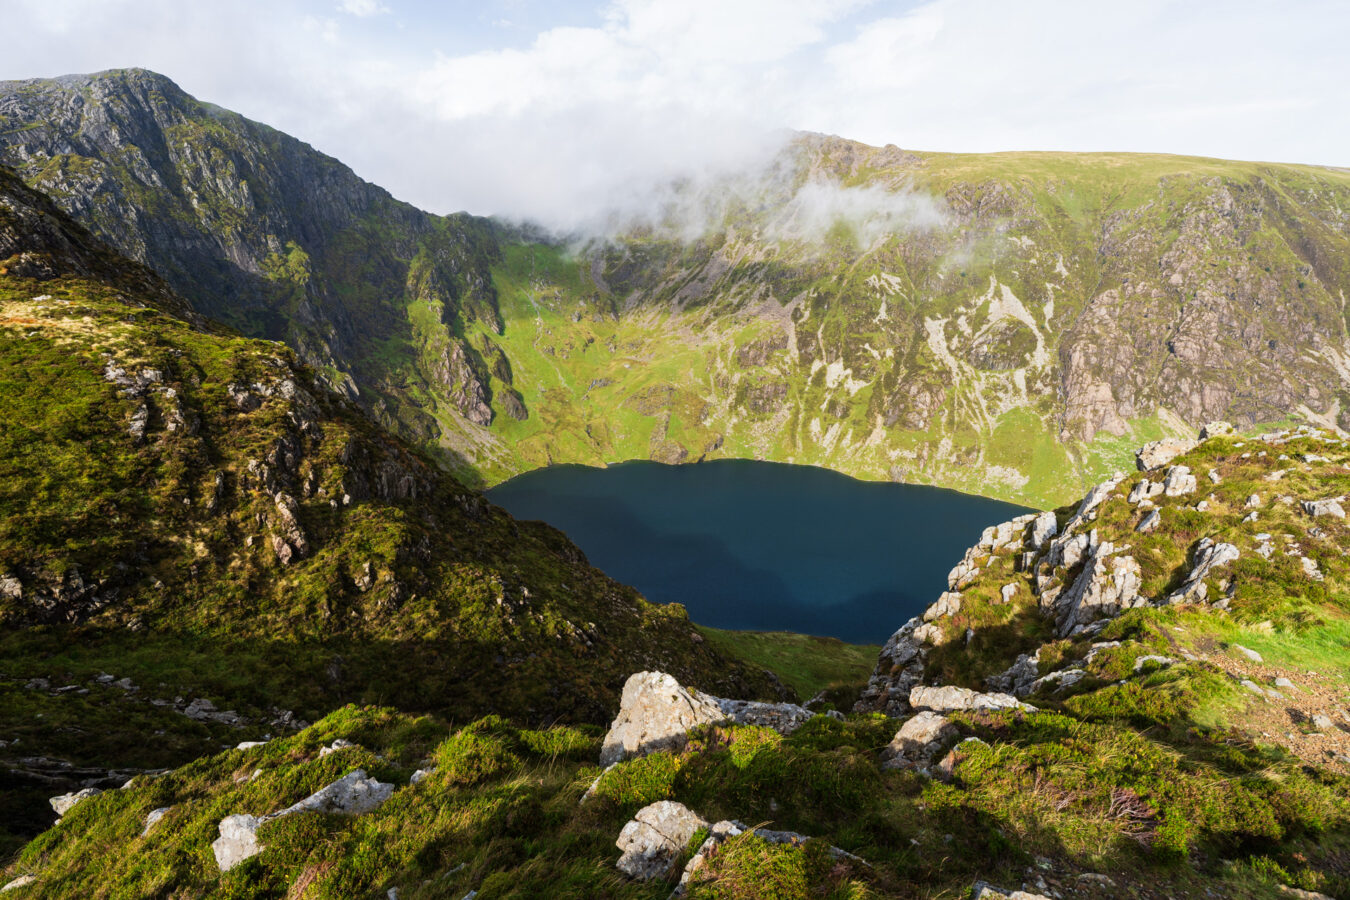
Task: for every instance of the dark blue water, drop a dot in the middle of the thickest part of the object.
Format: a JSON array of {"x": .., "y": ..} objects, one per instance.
[{"x": 762, "y": 546}]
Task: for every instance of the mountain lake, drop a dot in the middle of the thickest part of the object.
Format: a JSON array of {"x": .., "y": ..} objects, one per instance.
[{"x": 762, "y": 546}]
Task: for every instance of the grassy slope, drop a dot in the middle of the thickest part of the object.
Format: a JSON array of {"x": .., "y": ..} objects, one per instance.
[
  {"x": 153, "y": 558},
  {"x": 608, "y": 375},
  {"x": 805, "y": 663},
  {"x": 500, "y": 815},
  {"x": 1174, "y": 782}
]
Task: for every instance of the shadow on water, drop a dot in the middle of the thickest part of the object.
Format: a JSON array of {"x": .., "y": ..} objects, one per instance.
[{"x": 753, "y": 545}]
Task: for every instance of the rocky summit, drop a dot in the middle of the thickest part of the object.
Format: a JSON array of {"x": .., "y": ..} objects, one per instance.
[{"x": 264, "y": 637}]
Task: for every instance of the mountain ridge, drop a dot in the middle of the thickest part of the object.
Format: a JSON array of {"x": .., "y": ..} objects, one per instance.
[{"x": 938, "y": 318}]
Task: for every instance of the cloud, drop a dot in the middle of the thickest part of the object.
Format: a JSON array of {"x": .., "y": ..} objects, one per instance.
[
  {"x": 590, "y": 114},
  {"x": 362, "y": 8}
]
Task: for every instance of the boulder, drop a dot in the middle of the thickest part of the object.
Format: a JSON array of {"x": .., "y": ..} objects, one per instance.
[
  {"x": 921, "y": 737},
  {"x": 1329, "y": 507},
  {"x": 21, "y": 881},
  {"x": 1160, "y": 453},
  {"x": 1043, "y": 528},
  {"x": 238, "y": 841},
  {"x": 656, "y": 713},
  {"x": 729, "y": 828},
  {"x": 952, "y": 698},
  {"x": 1214, "y": 429},
  {"x": 1179, "y": 482},
  {"x": 353, "y": 794},
  {"x": 1208, "y": 556},
  {"x": 654, "y": 838},
  {"x": 1149, "y": 522},
  {"x": 985, "y": 891},
  {"x": 717, "y": 834},
  {"x": 66, "y": 802},
  {"x": 784, "y": 718},
  {"x": 1107, "y": 586},
  {"x": 153, "y": 818}
]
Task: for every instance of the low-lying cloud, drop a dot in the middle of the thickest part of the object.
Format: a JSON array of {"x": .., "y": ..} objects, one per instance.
[{"x": 593, "y": 118}]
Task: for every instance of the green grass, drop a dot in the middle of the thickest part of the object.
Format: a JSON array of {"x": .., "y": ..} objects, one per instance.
[
  {"x": 805, "y": 663},
  {"x": 153, "y": 558},
  {"x": 500, "y": 814}
]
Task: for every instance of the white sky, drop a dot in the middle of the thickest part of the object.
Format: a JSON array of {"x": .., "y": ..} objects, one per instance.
[{"x": 557, "y": 110}]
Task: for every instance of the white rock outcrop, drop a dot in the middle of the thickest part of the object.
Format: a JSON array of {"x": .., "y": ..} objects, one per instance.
[
  {"x": 1208, "y": 557},
  {"x": 656, "y": 713},
  {"x": 655, "y": 837},
  {"x": 1087, "y": 508},
  {"x": 238, "y": 841},
  {"x": 66, "y": 802},
  {"x": 152, "y": 819},
  {"x": 1159, "y": 453},
  {"x": 985, "y": 891},
  {"x": 1043, "y": 528},
  {"x": 1329, "y": 507},
  {"x": 899, "y": 667},
  {"x": 353, "y": 794},
  {"x": 951, "y": 699},
  {"x": 1107, "y": 585},
  {"x": 920, "y": 739},
  {"x": 1145, "y": 490},
  {"x": 1179, "y": 482},
  {"x": 726, "y": 829},
  {"x": 948, "y": 604}
]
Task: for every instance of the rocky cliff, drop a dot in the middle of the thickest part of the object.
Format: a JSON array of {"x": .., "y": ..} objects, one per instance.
[
  {"x": 262, "y": 232},
  {"x": 1008, "y": 324},
  {"x": 1011, "y": 324}
]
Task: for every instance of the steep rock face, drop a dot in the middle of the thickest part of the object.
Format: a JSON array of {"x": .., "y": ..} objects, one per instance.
[
  {"x": 259, "y": 230},
  {"x": 1028, "y": 614}
]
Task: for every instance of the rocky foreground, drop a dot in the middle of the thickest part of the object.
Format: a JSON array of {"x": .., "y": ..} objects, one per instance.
[{"x": 1141, "y": 695}]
